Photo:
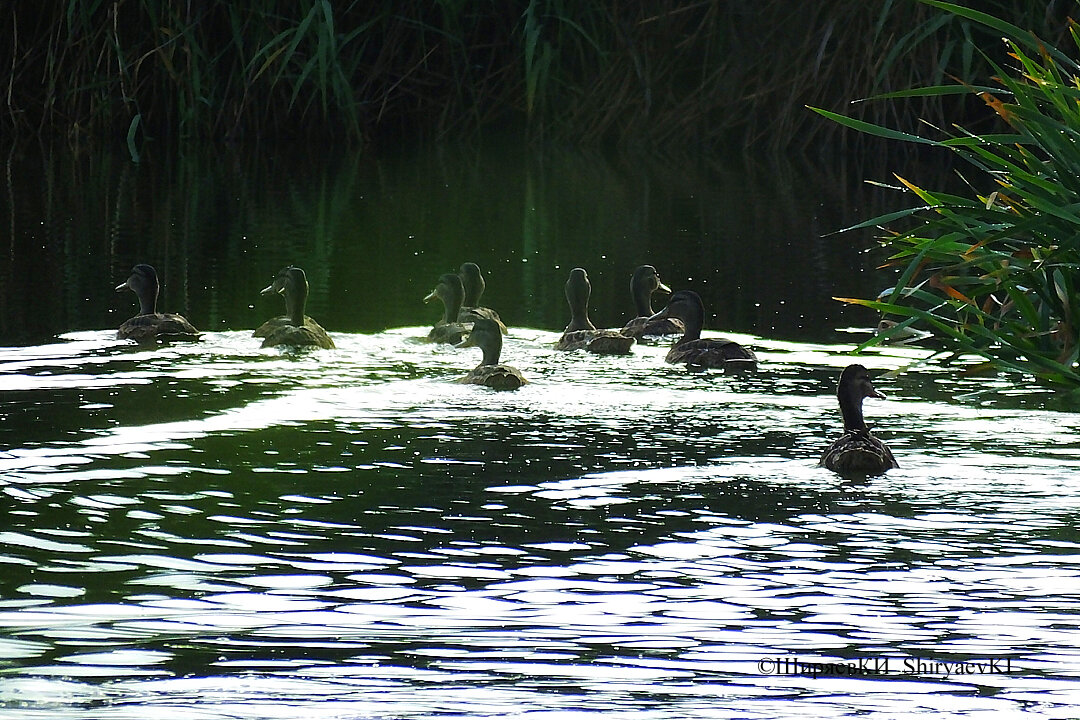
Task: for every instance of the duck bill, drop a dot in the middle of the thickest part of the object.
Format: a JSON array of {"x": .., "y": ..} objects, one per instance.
[
  {"x": 663, "y": 288},
  {"x": 433, "y": 295},
  {"x": 122, "y": 286},
  {"x": 873, "y": 392},
  {"x": 270, "y": 290},
  {"x": 467, "y": 342}
]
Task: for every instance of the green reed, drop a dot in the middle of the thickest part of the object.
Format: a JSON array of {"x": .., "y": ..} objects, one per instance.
[
  {"x": 661, "y": 73},
  {"x": 995, "y": 271}
]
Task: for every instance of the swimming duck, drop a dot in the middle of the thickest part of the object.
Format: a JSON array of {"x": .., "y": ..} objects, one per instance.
[
  {"x": 150, "y": 325},
  {"x": 448, "y": 330},
  {"x": 643, "y": 283},
  {"x": 295, "y": 328},
  {"x": 902, "y": 336},
  {"x": 857, "y": 451},
  {"x": 487, "y": 336},
  {"x": 473, "y": 281},
  {"x": 581, "y": 333},
  {"x": 695, "y": 350}
]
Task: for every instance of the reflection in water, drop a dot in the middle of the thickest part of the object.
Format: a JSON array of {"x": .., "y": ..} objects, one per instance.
[
  {"x": 373, "y": 234},
  {"x": 237, "y": 532},
  {"x": 217, "y": 530}
]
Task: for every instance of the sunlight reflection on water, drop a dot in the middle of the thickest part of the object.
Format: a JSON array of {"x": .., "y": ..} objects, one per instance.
[{"x": 219, "y": 531}]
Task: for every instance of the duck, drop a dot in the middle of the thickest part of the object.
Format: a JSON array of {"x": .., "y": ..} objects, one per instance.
[
  {"x": 694, "y": 350},
  {"x": 473, "y": 281},
  {"x": 893, "y": 334},
  {"x": 449, "y": 330},
  {"x": 150, "y": 325},
  {"x": 581, "y": 333},
  {"x": 487, "y": 335},
  {"x": 857, "y": 451},
  {"x": 295, "y": 328},
  {"x": 643, "y": 283}
]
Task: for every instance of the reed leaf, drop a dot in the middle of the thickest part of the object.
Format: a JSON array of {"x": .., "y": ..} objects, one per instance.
[
  {"x": 996, "y": 274},
  {"x": 675, "y": 73}
]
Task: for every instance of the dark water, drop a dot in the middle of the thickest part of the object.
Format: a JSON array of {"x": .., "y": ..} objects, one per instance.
[
  {"x": 374, "y": 233},
  {"x": 215, "y": 530}
]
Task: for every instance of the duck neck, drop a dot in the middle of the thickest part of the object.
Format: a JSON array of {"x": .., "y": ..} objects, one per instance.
[
  {"x": 451, "y": 308},
  {"x": 295, "y": 303},
  {"x": 577, "y": 297},
  {"x": 474, "y": 288},
  {"x": 851, "y": 410},
  {"x": 148, "y": 301},
  {"x": 146, "y": 289},
  {"x": 492, "y": 350},
  {"x": 580, "y": 321},
  {"x": 642, "y": 299},
  {"x": 693, "y": 320}
]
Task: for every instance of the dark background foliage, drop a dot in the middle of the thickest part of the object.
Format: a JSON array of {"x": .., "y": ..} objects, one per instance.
[{"x": 702, "y": 73}]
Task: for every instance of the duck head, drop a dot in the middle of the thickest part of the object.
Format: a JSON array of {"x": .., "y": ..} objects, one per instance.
[
  {"x": 450, "y": 290},
  {"x": 143, "y": 281},
  {"x": 853, "y": 388},
  {"x": 685, "y": 305},
  {"x": 487, "y": 336},
  {"x": 578, "y": 289},
  {"x": 473, "y": 281},
  {"x": 291, "y": 283},
  {"x": 643, "y": 283}
]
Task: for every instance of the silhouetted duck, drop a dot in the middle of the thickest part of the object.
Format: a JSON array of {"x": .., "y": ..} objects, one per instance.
[
  {"x": 857, "y": 451},
  {"x": 473, "y": 282},
  {"x": 901, "y": 336},
  {"x": 643, "y": 283},
  {"x": 581, "y": 333},
  {"x": 448, "y": 330},
  {"x": 695, "y": 350},
  {"x": 487, "y": 336},
  {"x": 295, "y": 328},
  {"x": 150, "y": 325}
]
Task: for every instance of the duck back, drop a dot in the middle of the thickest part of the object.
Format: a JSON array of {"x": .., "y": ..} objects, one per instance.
[
  {"x": 305, "y": 336},
  {"x": 152, "y": 327},
  {"x": 858, "y": 452},
  {"x": 642, "y": 328},
  {"x": 273, "y": 324},
  {"x": 713, "y": 353},
  {"x": 497, "y": 377},
  {"x": 600, "y": 342}
]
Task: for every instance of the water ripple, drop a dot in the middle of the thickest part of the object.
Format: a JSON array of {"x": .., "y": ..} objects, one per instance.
[{"x": 222, "y": 531}]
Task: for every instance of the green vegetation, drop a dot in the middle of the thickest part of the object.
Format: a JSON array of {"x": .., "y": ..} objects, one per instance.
[
  {"x": 995, "y": 271},
  {"x": 667, "y": 73}
]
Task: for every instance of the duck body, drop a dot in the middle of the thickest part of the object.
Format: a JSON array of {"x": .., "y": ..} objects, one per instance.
[
  {"x": 472, "y": 281},
  {"x": 299, "y": 336},
  {"x": 450, "y": 291},
  {"x": 599, "y": 342},
  {"x": 640, "y": 328},
  {"x": 643, "y": 283},
  {"x": 487, "y": 335},
  {"x": 717, "y": 353},
  {"x": 581, "y": 334},
  {"x": 692, "y": 349},
  {"x": 857, "y": 451},
  {"x": 149, "y": 325},
  {"x": 273, "y": 324},
  {"x": 295, "y": 329},
  {"x": 496, "y": 377}
]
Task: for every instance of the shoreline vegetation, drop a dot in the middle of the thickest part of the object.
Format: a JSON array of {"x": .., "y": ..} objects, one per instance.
[
  {"x": 697, "y": 74},
  {"x": 994, "y": 269}
]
